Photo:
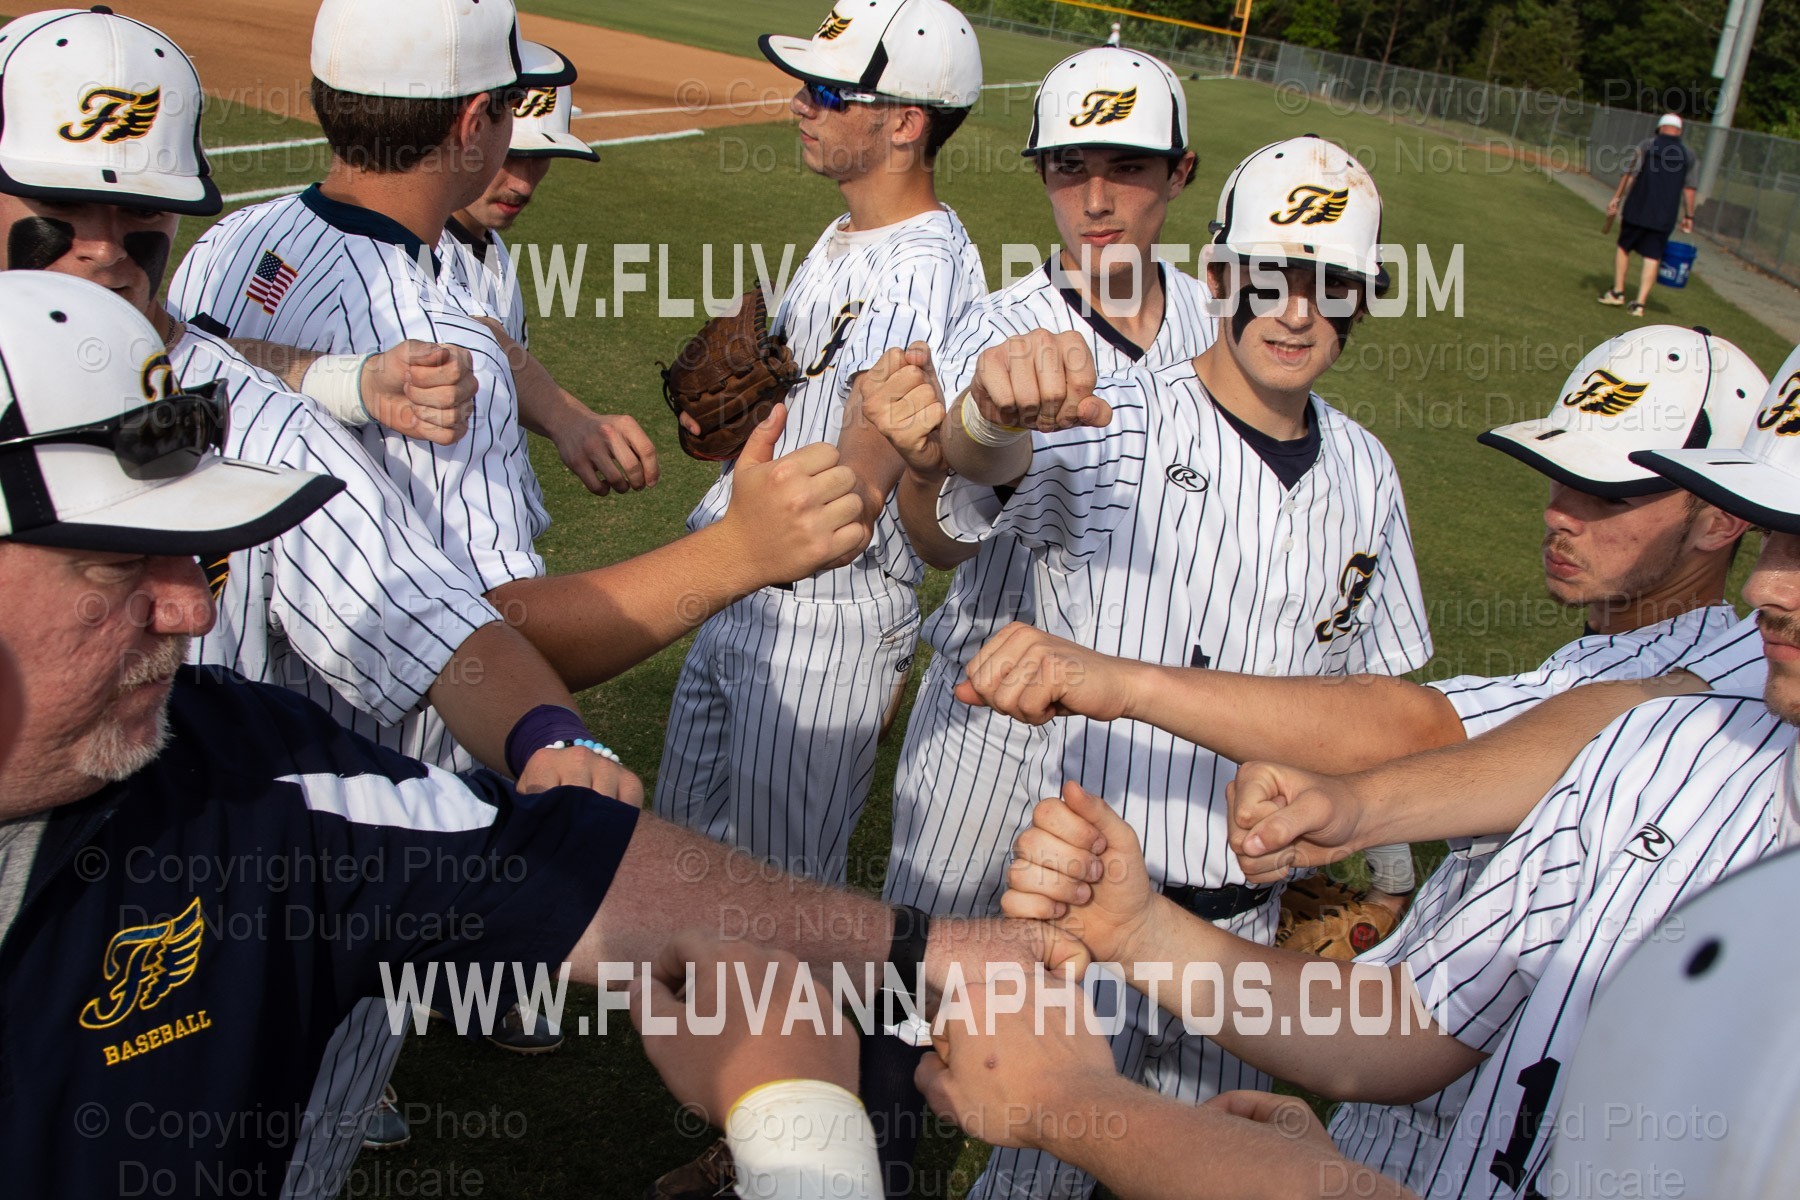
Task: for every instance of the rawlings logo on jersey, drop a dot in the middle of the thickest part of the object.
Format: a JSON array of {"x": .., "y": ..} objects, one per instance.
[
  {"x": 1310, "y": 204},
  {"x": 144, "y": 963},
  {"x": 1103, "y": 108},
  {"x": 113, "y": 115},
  {"x": 1185, "y": 478},
  {"x": 1353, "y": 583},
  {"x": 157, "y": 378},
  {"x": 1783, "y": 416},
  {"x": 1650, "y": 843},
  {"x": 538, "y": 102},
  {"x": 832, "y": 27},
  {"x": 1605, "y": 393},
  {"x": 840, "y": 333}
]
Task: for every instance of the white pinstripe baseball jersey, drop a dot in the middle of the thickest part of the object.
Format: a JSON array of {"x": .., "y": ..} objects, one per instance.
[
  {"x": 1166, "y": 537},
  {"x": 356, "y": 286},
  {"x": 1732, "y": 662},
  {"x": 854, "y": 296},
  {"x": 354, "y": 607},
  {"x": 1670, "y": 798},
  {"x": 1485, "y": 703},
  {"x": 489, "y": 274},
  {"x": 976, "y": 754}
]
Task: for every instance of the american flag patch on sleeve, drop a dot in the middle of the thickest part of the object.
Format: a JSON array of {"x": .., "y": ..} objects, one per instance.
[{"x": 270, "y": 282}]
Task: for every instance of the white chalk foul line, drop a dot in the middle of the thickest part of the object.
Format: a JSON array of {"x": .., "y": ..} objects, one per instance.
[
  {"x": 296, "y": 143},
  {"x": 290, "y": 189}
]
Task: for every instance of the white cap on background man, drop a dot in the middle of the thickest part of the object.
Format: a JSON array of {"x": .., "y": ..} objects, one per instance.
[
  {"x": 541, "y": 117},
  {"x": 452, "y": 48},
  {"x": 1107, "y": 96},
  {"x": 1661, "y": 387},
  {"x": 99, "y": 108},
  {"x": 1759, "y": 479},
  {"x": 1305, "y": 200},
  {"x": 917, "y": 50}
]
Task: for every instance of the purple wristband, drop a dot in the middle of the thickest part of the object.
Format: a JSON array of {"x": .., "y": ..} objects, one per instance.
[{"x": 538, "y": 728}]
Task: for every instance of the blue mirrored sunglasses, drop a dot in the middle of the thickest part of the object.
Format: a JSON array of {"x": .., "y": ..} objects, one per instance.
[{"x": 832, "y": 98}]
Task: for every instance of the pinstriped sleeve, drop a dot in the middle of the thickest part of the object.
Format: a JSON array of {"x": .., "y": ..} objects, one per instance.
[{"x": 1082, "y": 483}]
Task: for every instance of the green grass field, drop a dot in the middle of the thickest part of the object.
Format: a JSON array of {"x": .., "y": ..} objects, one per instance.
[{"x": 593, "y": 1120}]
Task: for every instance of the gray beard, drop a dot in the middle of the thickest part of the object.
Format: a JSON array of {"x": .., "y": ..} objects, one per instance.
[{"x": 109, "y": 752}]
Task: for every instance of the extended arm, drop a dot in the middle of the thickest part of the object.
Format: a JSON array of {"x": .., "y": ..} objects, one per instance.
[
  {"x": 788, "y": 518},
  {"x": 1080, "y": 865},
  {"x": 1326, "y": 724},
  {"x": 417, "y": 389},
  {"x": 1284, "y": 818},
  {"x": 607, "y": 453}
]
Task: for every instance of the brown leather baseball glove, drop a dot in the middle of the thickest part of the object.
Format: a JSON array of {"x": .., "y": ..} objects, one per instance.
[{"x": 727, "y": 378}]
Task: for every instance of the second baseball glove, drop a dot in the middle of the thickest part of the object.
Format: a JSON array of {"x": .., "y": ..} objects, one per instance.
[{"x": 727, "y": 378}]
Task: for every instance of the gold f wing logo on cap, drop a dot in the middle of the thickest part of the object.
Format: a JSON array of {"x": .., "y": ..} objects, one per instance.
[
  {"x": 1103, "y": 108},
  {"x": 157, "y": 378},
  {"x": 1784, "y": 415},
  {"x": 538, "y": 102},
  {"x": 1310, "y": 204},
  {"x": 114, "y": 115},
  {"x": 1605, "y": 393},
  {"x": 832, "y": 27}
]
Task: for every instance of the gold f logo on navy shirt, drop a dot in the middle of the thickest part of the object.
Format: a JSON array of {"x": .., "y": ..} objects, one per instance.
[
  {"x": 144, "y": 963},
  {"x": 113, "y": 115}
]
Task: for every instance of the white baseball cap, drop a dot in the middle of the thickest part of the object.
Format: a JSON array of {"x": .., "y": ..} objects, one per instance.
[
  {"x": 1108, "y": 96},
  {"x": 100, "y": 449},
  {"x": 1683, "y": 1083},
  {"x": 451, "y": 48},
  {"x": 1660, "y": 387},
  {"x": 1669, "y": 119},
  {"x": 1759, "y": 482},
  {"x": 541, "y": 117},
  {"x": 918, "y": 50},
  {"x": 1303, "y": 200},
  {"x": 100, "y": 108}
]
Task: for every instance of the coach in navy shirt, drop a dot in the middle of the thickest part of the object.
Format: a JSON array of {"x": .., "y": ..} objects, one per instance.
[{"x": 200, "y": 875}]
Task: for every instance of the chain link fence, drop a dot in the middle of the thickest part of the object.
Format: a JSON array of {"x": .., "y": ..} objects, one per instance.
[{"x": 1750, "y": 181}]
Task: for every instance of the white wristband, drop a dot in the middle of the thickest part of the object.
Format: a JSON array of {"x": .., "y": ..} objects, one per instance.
[
  {"x": 335, "y": 381},
  {"x": 982, "y": 430},
  {"x": 803, "y": 1139}
]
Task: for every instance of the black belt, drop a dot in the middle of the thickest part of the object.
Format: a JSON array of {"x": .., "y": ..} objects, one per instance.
[{"x": 1220, "y": 903}]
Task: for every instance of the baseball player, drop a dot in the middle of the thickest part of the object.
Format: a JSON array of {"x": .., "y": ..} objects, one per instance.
[
  {"x": 607, "y": 453},
  {"x": 355, "y": 607},
  {"x": 1109, "y": 184},
  {"x": 773, "y": 727},
  {"x": 1669, "y": 798},
  {"x": 1109, "y": 139},
  {"x": 135, "y": 982},
  {"x": 1214, "y": 512},
  {"x": 1646, "y": 561},
  {"x": 338, "y": 268}
]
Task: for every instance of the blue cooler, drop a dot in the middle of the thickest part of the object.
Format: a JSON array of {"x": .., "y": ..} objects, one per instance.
[{"x": 1677, "y": 261}]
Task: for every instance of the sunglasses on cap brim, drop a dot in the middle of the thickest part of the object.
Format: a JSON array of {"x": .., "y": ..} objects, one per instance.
[
  {"x": 833, "y": 98},
  {"x": 165, "y": 439}
]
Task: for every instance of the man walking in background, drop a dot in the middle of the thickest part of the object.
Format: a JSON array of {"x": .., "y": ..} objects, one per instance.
[{"x": 1654, "y": 194}]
